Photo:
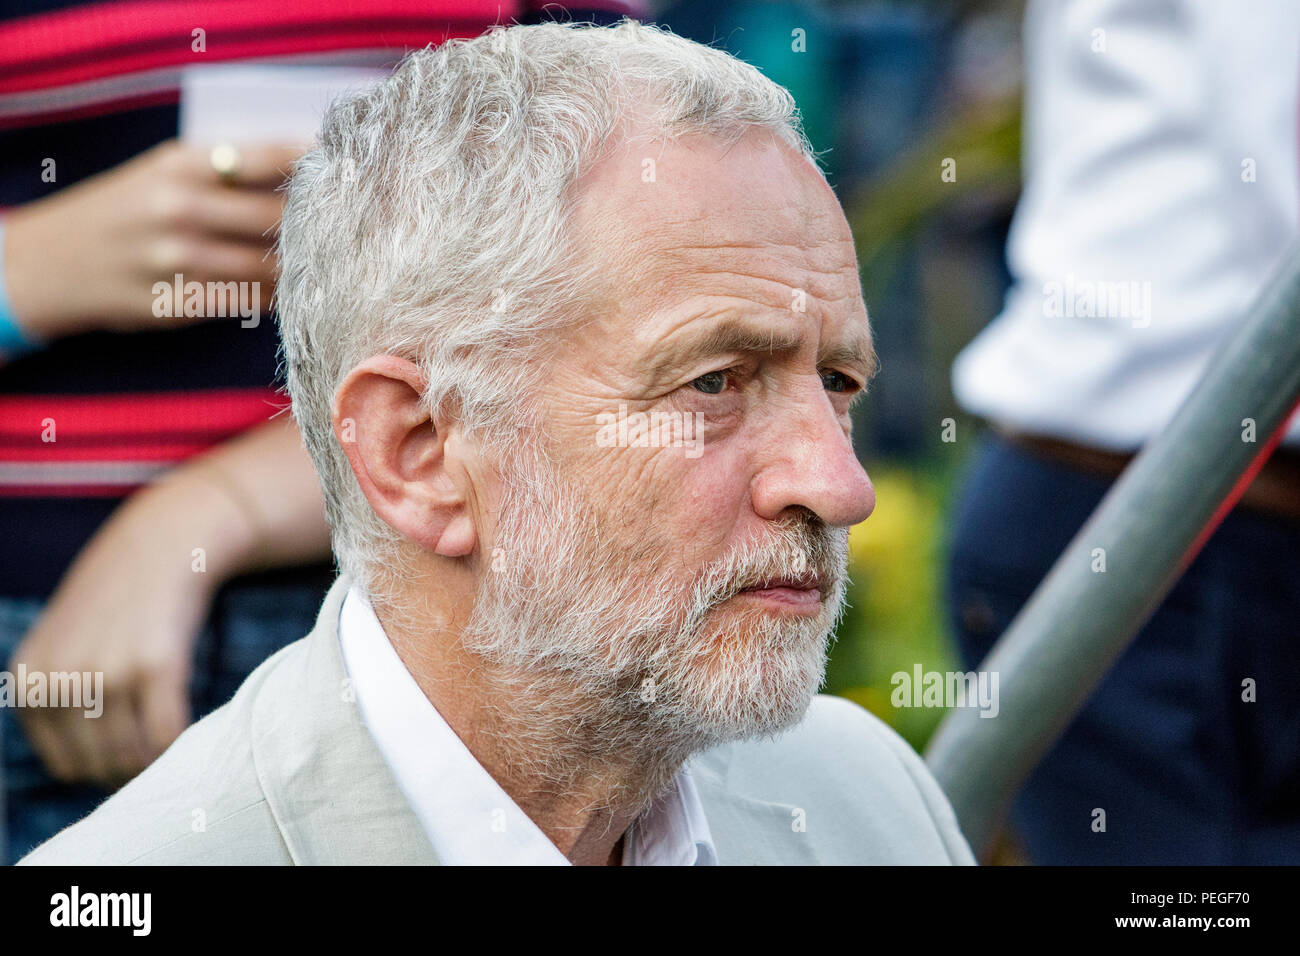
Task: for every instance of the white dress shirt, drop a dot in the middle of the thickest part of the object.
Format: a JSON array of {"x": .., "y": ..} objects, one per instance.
[
  {"x": 468, "y": 818},
  {"x": 1160, "y": 151}
]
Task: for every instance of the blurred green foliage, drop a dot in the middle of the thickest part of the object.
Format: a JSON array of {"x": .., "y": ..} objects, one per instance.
[
  {"x": 896, "y": 614},
  {"x": 897, "y": 617}
]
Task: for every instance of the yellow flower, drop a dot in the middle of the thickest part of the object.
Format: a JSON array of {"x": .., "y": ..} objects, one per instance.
[{"x": 901, "y": 512}]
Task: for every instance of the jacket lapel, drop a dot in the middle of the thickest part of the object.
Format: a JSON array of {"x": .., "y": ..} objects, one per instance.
[
  {"x": 747, "y": 830},
  {"x": 329, "y": 789}
]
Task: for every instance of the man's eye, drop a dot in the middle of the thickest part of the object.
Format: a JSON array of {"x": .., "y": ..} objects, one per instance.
[
  {"x": 838, "y": 382},
  {"x": 711, "y": 383}
]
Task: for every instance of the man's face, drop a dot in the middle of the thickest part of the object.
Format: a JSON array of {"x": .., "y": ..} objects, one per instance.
[{"x": 684, "y": 557}]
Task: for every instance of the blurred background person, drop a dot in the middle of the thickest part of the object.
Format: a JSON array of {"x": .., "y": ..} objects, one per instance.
[
  {"x": 161, "y": 522},
  {"x": 1160, "y": 193}
]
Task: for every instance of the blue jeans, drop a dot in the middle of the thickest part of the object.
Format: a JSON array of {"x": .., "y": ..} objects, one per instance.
[
  {"x": 1185, "y": 770},
  {"x": 250, "y": 619}
]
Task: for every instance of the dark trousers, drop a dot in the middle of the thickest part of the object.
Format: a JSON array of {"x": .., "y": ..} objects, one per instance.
[
  {"x": 1186, "y": 771},
  {"x": 251, "y": 618}
]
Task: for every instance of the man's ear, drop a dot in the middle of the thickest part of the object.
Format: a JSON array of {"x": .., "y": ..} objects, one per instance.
[{"x": 405, "y": 464}]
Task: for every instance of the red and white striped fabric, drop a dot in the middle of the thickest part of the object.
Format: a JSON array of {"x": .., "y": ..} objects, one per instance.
[
  {"x": 106, "y": 445},
  {"x": 103, "y": 57}
]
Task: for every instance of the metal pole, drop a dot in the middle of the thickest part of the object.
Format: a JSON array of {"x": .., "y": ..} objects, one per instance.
[{"x": 1149, "y": 527}]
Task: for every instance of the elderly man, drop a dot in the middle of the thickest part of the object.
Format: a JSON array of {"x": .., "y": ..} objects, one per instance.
[{"x": 573, "y": 327}]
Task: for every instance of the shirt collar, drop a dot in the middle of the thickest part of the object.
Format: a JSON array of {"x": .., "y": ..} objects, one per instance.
[
  {"x": 467, "y": 816},
  {"x": 673, "y": 831}
]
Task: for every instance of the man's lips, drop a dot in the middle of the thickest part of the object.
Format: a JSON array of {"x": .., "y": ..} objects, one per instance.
[{"x": 794, "y": 593}]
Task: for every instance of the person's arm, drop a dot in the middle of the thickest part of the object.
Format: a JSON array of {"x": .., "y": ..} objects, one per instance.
[{"x": 136, "y": 597}]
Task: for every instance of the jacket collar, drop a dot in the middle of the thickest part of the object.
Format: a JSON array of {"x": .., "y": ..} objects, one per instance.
[{"x": 329, "y": 789}]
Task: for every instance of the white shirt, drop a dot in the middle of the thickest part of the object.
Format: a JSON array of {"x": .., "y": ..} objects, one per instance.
[
  {"x": 468, "y": 818},
  {"x": 1138, "y": 157}
]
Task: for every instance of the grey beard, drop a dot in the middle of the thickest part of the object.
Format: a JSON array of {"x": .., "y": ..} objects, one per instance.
[{"x": 620, "y": 670}]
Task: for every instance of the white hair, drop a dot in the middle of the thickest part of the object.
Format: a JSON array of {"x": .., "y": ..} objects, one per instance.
[{"x": 429, "y": 222}]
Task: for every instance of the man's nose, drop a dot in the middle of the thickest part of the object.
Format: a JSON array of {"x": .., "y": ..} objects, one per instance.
[{"x": 812, "y": 465}]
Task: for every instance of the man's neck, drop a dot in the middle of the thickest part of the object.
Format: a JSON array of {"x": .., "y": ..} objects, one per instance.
[{"x": 583, "y": 805}]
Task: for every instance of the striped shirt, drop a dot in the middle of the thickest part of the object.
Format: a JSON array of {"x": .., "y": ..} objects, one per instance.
[{"x": 93, "y": 417}]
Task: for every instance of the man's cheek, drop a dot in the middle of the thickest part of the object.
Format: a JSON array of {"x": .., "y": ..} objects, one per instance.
[
  {"x": 706, "y": 510},
  {"x": 642, "y": 479},
  {"x": 716, "y": 485}
]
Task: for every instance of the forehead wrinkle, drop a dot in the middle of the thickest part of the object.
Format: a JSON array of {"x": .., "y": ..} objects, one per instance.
[
  {"x": 816, "y": 271},
  {"x": 670, "y": 273},
  {"x": 656, "y": 262}
]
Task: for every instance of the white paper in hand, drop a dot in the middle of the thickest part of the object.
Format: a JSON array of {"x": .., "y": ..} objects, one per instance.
[{"x": 250, "y": 103}]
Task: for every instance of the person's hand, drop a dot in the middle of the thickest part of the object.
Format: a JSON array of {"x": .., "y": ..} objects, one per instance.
[
  {"x": 133, "y": 602},
  {"x": 130, "y": 607},
  {"x": 88, "y": 256}
]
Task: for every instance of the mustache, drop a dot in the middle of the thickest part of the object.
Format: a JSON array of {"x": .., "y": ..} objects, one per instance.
[{"x": 802, "y": 552}]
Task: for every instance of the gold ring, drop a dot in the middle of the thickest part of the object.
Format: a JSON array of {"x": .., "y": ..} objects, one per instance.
[{"x": 225, "y": 160}]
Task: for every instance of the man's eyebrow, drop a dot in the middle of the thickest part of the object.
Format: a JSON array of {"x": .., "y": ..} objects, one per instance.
[
  {"x": 729, "y": 335},
  {"x": 734, "y": 335},
  {"x": 860, "y": 353}
]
